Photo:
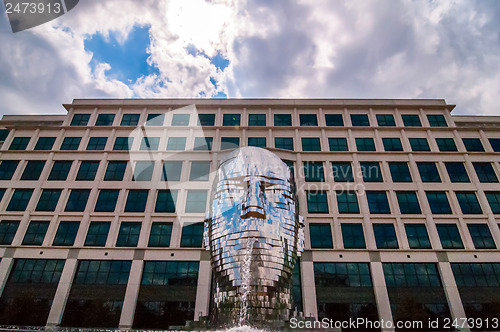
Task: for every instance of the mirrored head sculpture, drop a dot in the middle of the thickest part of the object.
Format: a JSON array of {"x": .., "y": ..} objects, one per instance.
[{"x": 254, "y": 234}]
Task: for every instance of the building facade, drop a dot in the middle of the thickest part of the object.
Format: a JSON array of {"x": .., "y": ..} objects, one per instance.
[{"x": 102, "y": 209}]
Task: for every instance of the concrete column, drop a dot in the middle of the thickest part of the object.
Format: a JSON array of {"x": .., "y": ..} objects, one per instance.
[
  {"x": 203, "y": 290},
  {"x": 451, "y": 292},
  {"x": 131, "y": 294},
  {"x": 5, "y": 267},
  {"x": 62, "y": 293},
  {"x": 308, "y": 286},
  {"x": 380, "y": 290}
]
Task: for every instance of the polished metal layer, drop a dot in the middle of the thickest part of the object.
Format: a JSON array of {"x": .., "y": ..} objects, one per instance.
[{"x": 253, "y": 215}]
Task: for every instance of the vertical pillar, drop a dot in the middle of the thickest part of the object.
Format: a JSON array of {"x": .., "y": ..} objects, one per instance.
[
  {"x": 203, "y": 289},
  {"x": 131, "y": 294},
  {"x": 62, "y": 293},
  {"x": 381, "y": 295},
  {"x": 308, "y": 286},
  {"x": 451, "y": 292}
]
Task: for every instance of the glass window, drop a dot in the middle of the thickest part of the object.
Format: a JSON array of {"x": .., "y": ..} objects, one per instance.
[
  {"x": 160, "y": 234},
  {"x": 428, "y": 172},
  {"x": 66, "y": 233},
  {"x": 192, "y": 235},
  {"x": 106, "y": 202},
  {"x": 495, "y": 144},
  {"x": 392, "y": 144},
  {"x": 176, "y": 144},
  {"x": 353, "y": 236},
  {"x": 321, "y": 235},
  {"x": 308, "y": 120},
  {"x": 415, "y": 275},
  {"x": 20, "y": 200},
  {"x": 71, "y": 143},
  {"x": 437, "y": 120},
  {"x": 457, "y": 172},
  {"x": 39, "y": 271},
  {"x": 123, "y": 143},
  {"x": 285, "y": 143},
  {"x": 227, "y": 143},
  {"x": 48, "y": 200},
  {"x": 155, "y": 119},
  {"x": 485, "y": 172},
  {"x": 129, "y": 234},
  {"x": 334, "y": 120},
  {"x": 282, "y": 120},
  {"x": 107, "y": 272},
  {"x": 115, "y": 171},
  {"x": 143, "y": 170},
  {"x": 377, "y": 202},
  {"x": 200, "y": 171},
  {"x": 206, "y": 119},
  {"x": 347, "y": 201},
  {"x": 173, "y": 273},
  {"x": 385, "y": 236},
  {"x": 468, "y": 202},
  {"x": 196, "y": 201},
  {"x": 180, "y": 120},
  {"x": 371, "y": 172},
  {"x": 97, "y": 234},
  {"x": 408, "y": 202},
  {"x": 481, "y": 236},
  {"x": 2, "y": 192},
  {"x": 385, "y": 120},
  {"x": 105, "y": 120},
  {"x": 342, "y": 172},
  {"x": 494, "y": 201},
  {"x": 87, "y": 171},
  {"x": 149, "y": 144},
  {"x": 313, "y": 171},
  {"x": 80, "y": 120},
  {"x": 257, "y": 120},
  {"x": 449, "y": 236},
  {"x": 130, "y": 120},
  {"x": 97, "y": 143},
  {"x": 338, "y": 144},
  {"x": 136, "y": 200},
  {"x": 203, "y": 143},
  {"x": 360, "y": 120},
  {"x": 311, "y": 144},
  {"x": 259, "y": 142},
  {"x": 60, "y": 170},
  {"x": 438, "y": 202},
  {"x": 342, "y": 275},
  {"x": 446, "y": 144},
  {"x": 417, "y": 236},
  {"x": 400, "y": 172},
  {"x": 19, "y": 143},
  {"x": 231, "y": 119},
  {"x": 165, "y": 201},
  {"x": 3, "y": 134},
  {"x": 33, "y": 170},
  {"x": 8, "y": 229},
  {"x": 476, "y": 275},
  {"x": 7, "y": 169},
  {"x": 45, "y": 143},
  {"x": 411, "y": 120},
  {"x": 77, "y": 200},
  {"x": 419, "y": 144},
  {"x": 473, "y": 144},
  {"x": 35, "y": 233},
  {"x": 171, "y": 171},
  {"x": 317, "y": 202},
  {"x": 365, "y": 144}
]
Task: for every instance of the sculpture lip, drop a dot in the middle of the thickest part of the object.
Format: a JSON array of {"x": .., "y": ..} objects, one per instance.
[{"x": 255, "y": 212}]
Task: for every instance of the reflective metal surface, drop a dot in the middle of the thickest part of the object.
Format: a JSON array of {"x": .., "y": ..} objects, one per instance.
[{"x": 253, "y": 215}]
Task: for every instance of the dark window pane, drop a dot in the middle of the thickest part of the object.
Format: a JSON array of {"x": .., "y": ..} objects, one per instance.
[
  {"x": 495, "y": 144},
  {"x": 446, "y": 144},
  {"x": 203, "y": 143},
  {"x": 392, "y": 144},
  {"x": 313, "y": 171},
  {"x": 411, "y": 120},
  {"x": 160, "y": 235},
  {"x": 408, "y": 202},
  {"x": 342, "y": 172},
  {"x": 77, "y": 200},
  {"x": 115, "y": 171},
  {"x": 481, "y": 236},
  {"x": 227, "y": 143},
  {"x": 419, "y": 144},
  {"x": 365, "y": 144},
  {"x": 129, "y": 234},
  {"x": 8, "y": 229},
  {"x": 35, "y": 234},
  {"x": 180, "y": 120},
  {"x": 136, "y": 200},
  {"x": 334, "y": 120},
  {"x": 123, "y": 143},
  {"x": 457, "y": 172},
  {"x": 206, "y": 119},
  {"x": 71, "y": 143},
  {"x": 3, "y": 134},
  {"x": 192, "y": 235},
  {"x": 149, "y": 144},
  {"x": 87, "y": 171},
  {"x": 80, "y": 120},
  {"x": 155, "y": 119},
  {"x": 105, "y": 120},
  {"x": 130, "y": 120},
  {"x": 494, "y": 201},
  {"x": 317, "y": 202},
  {"x": 468, "y": 202},
  {"x": 231, "y": 119},
  {"x": 33, "y": 170},
  {"x": 385, "y": 120},
  {"x": 66, "y": 233},
  {"x": 338, "y": 144},
  {"x": 108, "y": 272},
  {"x": 353, "y": 236},
  {"x": 360, "y": 120},
  {"x": 282, "y": 120},
  {"x": 45, "y": 143},
  {"x": 165, "y": 201},
  {"x": 171, "y": 171},
  {"x": 485, "y": 172},
  {"x": 200, "y": 171},
  {"x": 106, "y": 202},
  {"x": 437, "y": 120},
  {"x": 377, "y": 202},
  {"x": 438, "y": 202},
  {"x": 347, "y": 202},
  {"x": 371, "y": 172},
  {"x": 385, "y": 236},
  {"x": 473, "y": 144},
  {"x": 311, "y": 144},
  {"x": 60, "y": 170},
  {"x": 20, "y": 200},
  {"x": 7, "y": 169},
  {"x": 321, "y": 235},
  {"x": 308, "y": 120},
  {"x": 400, "y": 172},
  {"x": 428, "y": 172},
  {"x": 97, "y": 143},
  {"x": 259, "y": 142},
  {"x": 19, "y": 143},
  {"x": 285, "y": 143},
  {"x": 257, "y": 120},
  {"x": 417, "y": 236},
  {"x": 449, "y": 236},
  {"x": 97, "y": 234},
  {"x": 48, "y": 200}
]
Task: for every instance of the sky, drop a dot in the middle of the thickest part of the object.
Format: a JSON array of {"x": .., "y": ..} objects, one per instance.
[{"x": 256, "y": 49}]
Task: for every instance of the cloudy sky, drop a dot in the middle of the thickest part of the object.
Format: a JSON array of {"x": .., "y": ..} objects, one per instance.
[{"x": 256, "y": 48}]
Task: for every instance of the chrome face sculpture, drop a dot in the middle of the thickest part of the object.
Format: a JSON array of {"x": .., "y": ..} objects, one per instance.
[{"x": 254, "y": 233}]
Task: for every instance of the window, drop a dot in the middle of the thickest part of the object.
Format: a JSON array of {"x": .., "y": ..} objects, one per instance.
[
  {"x": 415, "y": 275},
  {"x": 171, "y": 171},
  {"x": 200, "y": 171},
  {"x": 313, "y": 171},
  {"x": 80, "y": 120},
  {"x": 449, "y": 236},
  {"x": 66, "y": 233},
  {"x": 37, "y": 271},
  {"x": 87, "y": 171},
  {"x": 192, "y": 235},
  {"x": 308, "y": 120},
  {"x": 473, "y": 144},
  {"x": 196, "y": 201},
  {"x": 417, "y": 236},
  {"x": 19, "y": 143},
  {"x": 3, "y": 134},
  {"x": 385, "y": 236},
  {"x": 468, "y": 202},
  {"x": 446, "y": 144},
  {"x": 438, "y": 202},
  {"x": 60, "y": 170},
  {"x": 353, "y": 236},
  {"x": 476, "y": 275},
  {"x": 2, "y": 192},
  {"x": 428, "y": 172},
  {"x": 8, "y": 229},
  {"x": 485, "y": 172},
  {"x": 360, "y": 120},
  {"x": 481, "y": 236},
  {"x": 408, "y": 202},
  {"x": 342, "y": 172},
  {"x": 411, "y": 120},
  {"x": 7, "y": 169},
  {"x": 334, "y": 120},
  {"x": 203, "y": 143},
  {"x": 20, "y": 200},
  {"x": 311, "y": 144},
  {"x": 371, "y": 171},
  {"x": 97, "y": 234},
  {"x": 317, "y": 202},
  {"x": 227, "y": 143},
  {"x": 495, "y": 144},
  {"x": 160, "y": 234},
  {"x": 155, "y": 119},
  {"x": 71, "y": 143},
  {"x": 106, "y": 202},
  {"x": 136, "y": 200},
  {"x": 180, "y": 120},
  {"x": 165, "y": 201},
  {"x": 338, "y": 144},
  {"x": 48, "y": 200},
  {"x": 437, "y": 120},
  {"x": 123, "y": 143},
  {"x": 365, "y": 144},
  {"x": 347, "y": 202},
  {"x": 130, "y": 120},
  {"x": 392, "y": 144},
  {"x": 129, "y": 234},
  {"x": 105, "y": 120},
  {"x": 173, "y": 273},
  {"x": 143, "y": 171},
  {"x": 377, "y": 202},
  {"x": 282, "y": 120},
  {"x": 77, "y": 200},
  {"x": 97, "y": 143},
  {"x": 149, "y": 144},
  {"x": 342, "y": 275},
  {"x": 206, "y": 119},
  {"x": 33, "y": 170},
  {"x": 494, "y": 201},
  {"x": 45, "y": 143},
  {"x": 108, "y": 272},
  {"x": 400, "y": 172},
  {"x": 385, "y": 120},
  {"x": 457, "y": 172},
  {"x": 231, "y": 119},
  {"x": 321, "y": 235},
  {"x": 115, "y": 171},
  {"x": 35, "y": 234},
  {"x": 257, "y": 120},
  {"x": 259, "y": 142},
  {"x": 419, "y": 144},
  {"x": 285, "y": 143}
]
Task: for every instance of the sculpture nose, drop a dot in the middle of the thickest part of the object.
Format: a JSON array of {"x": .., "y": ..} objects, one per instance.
[{"x": 253, "y": 204}]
